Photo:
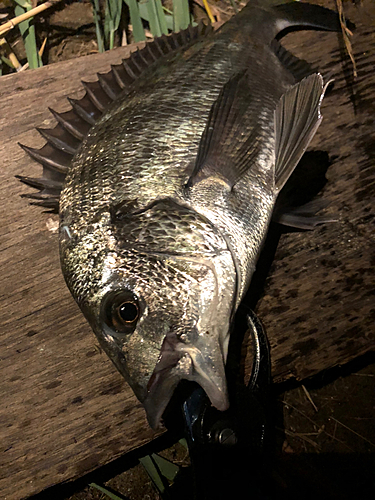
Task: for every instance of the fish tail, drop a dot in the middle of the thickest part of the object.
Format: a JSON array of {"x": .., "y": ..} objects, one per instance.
[
  {"x": 304, "y": 15},
  {"x": 265, "y": 20}
]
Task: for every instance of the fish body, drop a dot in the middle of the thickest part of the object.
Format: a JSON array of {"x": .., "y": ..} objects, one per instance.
[{"x": 167, "y": 203}]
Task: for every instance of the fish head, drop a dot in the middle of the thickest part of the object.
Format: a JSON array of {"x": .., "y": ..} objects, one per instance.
[{"x": 157, "y": 288}]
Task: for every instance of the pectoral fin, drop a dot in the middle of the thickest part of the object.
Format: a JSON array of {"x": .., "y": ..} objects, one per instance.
[{"x": 231, "y": 140}]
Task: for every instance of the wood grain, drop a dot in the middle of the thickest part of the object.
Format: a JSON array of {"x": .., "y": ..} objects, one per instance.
[
  {"x": 65, "y": 410},
  {"x": 318, "y": 305}
]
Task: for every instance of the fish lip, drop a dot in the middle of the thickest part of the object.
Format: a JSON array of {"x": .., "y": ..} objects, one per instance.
[
  {"x": 177, "y": 361},
  {"x": 162, "y": 382},
  {"x": 169, "y": 357}
]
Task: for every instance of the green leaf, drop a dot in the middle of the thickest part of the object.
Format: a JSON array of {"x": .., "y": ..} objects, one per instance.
[
  {"x": 143, "y": 11},
  {"x": 156, "y": 18},
  {"x": 183, "y": 442},
  {"x": 153, "y": 18},
  {"x": 98, "y": 28},
  {"x": 27, "y": 31},
  {"x": 181, "y": 14},
  {"x": 160, "y": 470},
  {"x": 135, "y": 19},
  {"x": 105, "y": 491},
  {"x": 7, "y": 61},
  {"x": 111, "y": 21},
  {"x": 161, "y": 17},
  {"x": 23, "y": 3}
]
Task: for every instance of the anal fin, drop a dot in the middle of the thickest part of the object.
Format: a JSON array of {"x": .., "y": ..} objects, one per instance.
[{"x": 304, "y": 216}]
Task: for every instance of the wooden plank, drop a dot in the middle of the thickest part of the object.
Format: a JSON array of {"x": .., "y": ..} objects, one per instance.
[
  {"x": 65, "y": 410},
  {"x": 318, "y": 303}
]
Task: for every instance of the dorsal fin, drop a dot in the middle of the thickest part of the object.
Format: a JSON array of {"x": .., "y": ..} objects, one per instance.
[{"x": 66, "y": 137}]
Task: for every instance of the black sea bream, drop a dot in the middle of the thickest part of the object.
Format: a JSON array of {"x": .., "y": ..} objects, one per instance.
[{"x": 179, "y": 156}]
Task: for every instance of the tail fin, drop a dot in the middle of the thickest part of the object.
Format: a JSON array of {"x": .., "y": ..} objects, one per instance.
[
  {"x": 266, "y": 20},
  {"x": 305, "y": 15}
]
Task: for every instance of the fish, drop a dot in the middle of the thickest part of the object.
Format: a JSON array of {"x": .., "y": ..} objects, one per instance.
[{"x": 166, "y": 175}]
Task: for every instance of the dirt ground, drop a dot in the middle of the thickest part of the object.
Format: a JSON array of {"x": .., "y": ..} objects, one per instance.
[{"x": 325, "y": 430}]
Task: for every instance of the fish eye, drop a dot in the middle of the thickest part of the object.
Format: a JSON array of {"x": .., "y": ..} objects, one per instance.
[
  {"x": 128, "y": 312},
  {"x": 120, "y": 311}
]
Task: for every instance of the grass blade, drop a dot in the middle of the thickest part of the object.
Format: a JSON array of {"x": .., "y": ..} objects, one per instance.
[
  {"x": 109, "y": 494},
  {"x": 27, "y": 31},
  {"x": 160, "y": 471},
  {"x": 183, "y": 443},
  {"x": 6, "y": 61},
  {"x": 143, "y": 12},
  {"x": 111, "y": 21},
  {"x": 98, "y": 28},
  {"x": 161, "y": 17},
  {"x": 181, "y": 14},
  {"x": 158, "y": 24},
  {"x": 135, "y": 19},
  {"x": 166, "y": 467},
  {"x": 233, "y": 4},
  {"x": 155, "y": 476},
  {"x": 153, "y": 18},
  {"x": 9, "y": 55}
]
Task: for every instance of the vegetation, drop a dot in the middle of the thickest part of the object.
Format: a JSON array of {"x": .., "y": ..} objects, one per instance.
[{"x": 109, "y": 18}]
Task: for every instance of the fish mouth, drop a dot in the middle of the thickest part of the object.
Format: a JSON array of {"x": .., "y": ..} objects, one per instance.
[{"x": 178, "y": 361}]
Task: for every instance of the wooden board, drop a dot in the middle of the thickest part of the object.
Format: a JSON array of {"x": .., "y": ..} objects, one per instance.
[
  {"x": 65, "y": 410},
  {"x": 318, "y": 305}
]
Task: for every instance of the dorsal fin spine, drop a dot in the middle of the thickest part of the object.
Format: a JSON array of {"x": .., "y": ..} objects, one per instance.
[
  {"x": 78, "y": 128},
  {"x": 157, "y": 43},
  {"x": 129, "y": 70},
  {"x": 55, "y": 159},
  {"x": 90, "y": 113},
  {"x": 96, "y": 95},
  {"x": 140, "y": 55},
  {"x": 149, "y": 50},
  {"x": 109, "y": 85},
  {"x": 61, "y": 140},
  {"x": 138, "y": 64},
  {"x": 56, "y": 156}
]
